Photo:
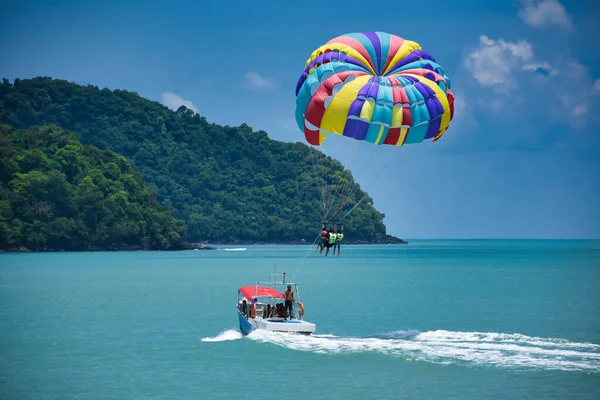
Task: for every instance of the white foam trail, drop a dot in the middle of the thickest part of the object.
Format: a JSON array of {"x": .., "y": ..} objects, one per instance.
[
  {"x": 445, "y": 347},
  {"x": 503, "y": 338},
  {"x": 224, "y": 336}
]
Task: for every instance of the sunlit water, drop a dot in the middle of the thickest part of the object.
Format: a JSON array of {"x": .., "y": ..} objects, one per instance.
[{"x": 428, "y": 320}]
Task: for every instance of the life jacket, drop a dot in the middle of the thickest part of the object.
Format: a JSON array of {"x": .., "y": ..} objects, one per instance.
[
  {"x": 339, "y": 237},
  {"x": 332, "y": 237}
]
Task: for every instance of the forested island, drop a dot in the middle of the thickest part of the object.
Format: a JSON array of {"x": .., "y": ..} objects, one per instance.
[{"x": 83, "y": 168}]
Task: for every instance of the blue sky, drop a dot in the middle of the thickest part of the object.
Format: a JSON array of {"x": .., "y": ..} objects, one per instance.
[{"x": 520, "y": 159}]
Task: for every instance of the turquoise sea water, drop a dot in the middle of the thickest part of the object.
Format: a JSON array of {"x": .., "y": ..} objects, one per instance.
[{"x": 498, "y": 319}]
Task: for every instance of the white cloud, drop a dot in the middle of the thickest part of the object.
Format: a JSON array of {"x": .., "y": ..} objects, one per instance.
[
  {"x": 464, "y": 125},
  {"x": 579, "y": 110},
  {"x": 531, "y": 85},
  {"x": 542, "y": 68},
  {"x": 545, "y": 13},
  {"x": 460, "y": 106},
  {"x": 596, "y": 87},
  {"x": 253, "y": 80},
  {"x": 577, "y": 71},
  {"x": 463, "y": 116},
  {"x": 507, "y": 68},
  {"x": 578, "y": 93},
  {"x": 574, "y": 110},
  {"x": 494, "y": 61},
  {"x": 174, "y": 101},
  {"x": 495, "y": 105}
]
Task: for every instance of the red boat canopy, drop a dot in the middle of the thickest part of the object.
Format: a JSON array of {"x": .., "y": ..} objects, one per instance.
[{"x": 263, "y": 291}]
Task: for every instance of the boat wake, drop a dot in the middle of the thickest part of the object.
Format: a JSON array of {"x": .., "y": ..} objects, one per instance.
[
  {"x": 505, "y": 350},
  {"x": 224, "y": 336}
]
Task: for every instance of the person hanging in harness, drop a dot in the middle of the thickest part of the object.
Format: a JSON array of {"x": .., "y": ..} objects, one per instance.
[
  {"x": 322, "y": 239},
  {"x": 331, "y": 241},
  {"x": 325, "y": 235},
  {"x": 338, "y": 240}
]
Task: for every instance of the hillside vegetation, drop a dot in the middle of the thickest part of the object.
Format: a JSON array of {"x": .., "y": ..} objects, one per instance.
[
  {"x": 56, "y": 193},
  {"x": 225, "y": 183}
]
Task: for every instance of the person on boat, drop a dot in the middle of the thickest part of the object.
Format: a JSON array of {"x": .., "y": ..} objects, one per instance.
[
  {"x": 244, "y": 308},
  {"x": 280, "y": 311},
  {"x": 338, "y": 240},
  {"x": 331, "y": 241},
  {"x": 289, "y": 300},
  {"x": 253, "y": 307}
]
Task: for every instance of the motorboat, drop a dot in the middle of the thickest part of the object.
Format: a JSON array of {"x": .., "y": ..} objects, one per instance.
[{"x": 261, "y": 306}]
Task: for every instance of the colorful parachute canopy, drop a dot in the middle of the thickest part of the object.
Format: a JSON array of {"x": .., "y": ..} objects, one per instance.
[{"x": 376, "y": 87}]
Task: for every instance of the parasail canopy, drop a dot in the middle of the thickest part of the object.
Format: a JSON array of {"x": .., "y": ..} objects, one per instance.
[{"x": 374, "y": 87}]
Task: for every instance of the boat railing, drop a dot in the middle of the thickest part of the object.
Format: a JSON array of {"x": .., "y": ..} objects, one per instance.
[{"x": 273, "y": 279}]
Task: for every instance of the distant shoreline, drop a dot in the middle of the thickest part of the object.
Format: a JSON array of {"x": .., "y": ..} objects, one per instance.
[
  {"x": 388, "y": 239},
  {"x": 199, "y": 246}
]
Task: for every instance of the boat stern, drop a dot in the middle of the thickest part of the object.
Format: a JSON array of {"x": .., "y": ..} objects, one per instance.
[{"x": 287, "y": 325}]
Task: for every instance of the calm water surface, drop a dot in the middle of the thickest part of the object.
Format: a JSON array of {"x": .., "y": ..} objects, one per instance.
[{"x": 429, "y": 320}]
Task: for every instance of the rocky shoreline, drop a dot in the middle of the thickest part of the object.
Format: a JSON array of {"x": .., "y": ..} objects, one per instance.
[{"x": 387, "y": 239}]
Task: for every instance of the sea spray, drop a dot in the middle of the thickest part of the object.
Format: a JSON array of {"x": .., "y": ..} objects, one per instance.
[
  {"x": 224, "y": 336},
  {"x": 505, "y": 350}
]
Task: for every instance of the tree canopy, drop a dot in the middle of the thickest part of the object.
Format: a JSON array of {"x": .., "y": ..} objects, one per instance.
[{"x": 56, "y": 193}]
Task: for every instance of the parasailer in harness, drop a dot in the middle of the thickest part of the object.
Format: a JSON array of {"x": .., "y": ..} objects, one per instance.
[
  {"x": 322, "y": 239},
  {"x": 331, "y": 241},
  {"x": 338, "y": 240}
]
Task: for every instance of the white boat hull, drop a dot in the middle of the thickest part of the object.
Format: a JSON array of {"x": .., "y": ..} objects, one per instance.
[
  {"x": 283, "y": 325},
  {"x": 275, "y": 325}
]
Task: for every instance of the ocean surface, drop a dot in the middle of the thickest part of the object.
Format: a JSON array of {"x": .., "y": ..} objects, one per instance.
[{"x": 434, "y": 319}]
